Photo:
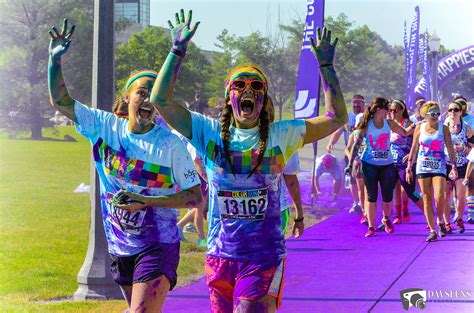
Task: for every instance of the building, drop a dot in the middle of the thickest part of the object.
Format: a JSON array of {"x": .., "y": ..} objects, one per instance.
[{"x": 136, "y": 11}]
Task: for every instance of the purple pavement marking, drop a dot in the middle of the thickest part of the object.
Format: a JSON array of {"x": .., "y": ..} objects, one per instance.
[{"x": 333, "y": 268}]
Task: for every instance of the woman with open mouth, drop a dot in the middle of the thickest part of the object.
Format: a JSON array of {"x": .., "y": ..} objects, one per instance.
[
  {"x": 427, "y": 152},
  {"x": 244, "y": 155},
  {"x": 145, "y": 172}
]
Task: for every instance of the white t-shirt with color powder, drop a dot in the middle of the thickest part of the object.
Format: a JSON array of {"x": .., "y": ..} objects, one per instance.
[
  {"x": 153, "y": 164},
  {"x": 244, "y": 211}
]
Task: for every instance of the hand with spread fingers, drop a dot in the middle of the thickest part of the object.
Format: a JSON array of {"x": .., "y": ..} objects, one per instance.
[
  {"x": 323, "y": 49},
  {"x": 128, "y": 201},
  {"x": 182, "y": 32},
  {"x": 60, "y": 42}
]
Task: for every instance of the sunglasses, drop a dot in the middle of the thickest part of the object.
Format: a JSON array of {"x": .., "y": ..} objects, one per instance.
[
  {"x": 456, "y": 110},
  {"x": 433, "y": 114},
  {"x": 255, "y": 85}
]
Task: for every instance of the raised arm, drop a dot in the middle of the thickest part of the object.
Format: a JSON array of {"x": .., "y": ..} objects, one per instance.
[
  {"x": 58, "y": 93},
  {"x": 336, "y": 112},
  {"x": 395, "y": 127},
  {"x": 176, "y": 115}
]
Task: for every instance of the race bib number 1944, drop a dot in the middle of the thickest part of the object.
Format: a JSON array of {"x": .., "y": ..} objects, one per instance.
[{"x": 243, "y": 205}]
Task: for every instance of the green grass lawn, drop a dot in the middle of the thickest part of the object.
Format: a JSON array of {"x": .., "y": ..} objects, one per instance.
[{"x": 44, "y": 226}]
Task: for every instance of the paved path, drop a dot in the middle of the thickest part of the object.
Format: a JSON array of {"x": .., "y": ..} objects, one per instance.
[{"x": 333, "y": 268}]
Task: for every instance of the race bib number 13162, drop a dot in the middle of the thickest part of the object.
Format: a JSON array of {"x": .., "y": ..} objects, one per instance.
[{"x": 243, "y": 205}]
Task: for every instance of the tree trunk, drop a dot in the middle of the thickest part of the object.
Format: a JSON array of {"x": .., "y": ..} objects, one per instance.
[
  {"x": 36, "y": 133},
  {"x": 35, "y": 122}
]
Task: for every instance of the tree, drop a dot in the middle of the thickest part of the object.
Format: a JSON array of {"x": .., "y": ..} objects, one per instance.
[
  {"x": 148, "y": 50},
  {"x": 24, "y": 55}
]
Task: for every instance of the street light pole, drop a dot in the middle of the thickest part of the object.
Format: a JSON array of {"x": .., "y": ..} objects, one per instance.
[
  {"x": 94, "y": 279},
  {"x": 434, "y": 43}
]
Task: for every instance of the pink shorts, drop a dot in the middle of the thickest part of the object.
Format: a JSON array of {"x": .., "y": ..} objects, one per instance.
[{"x": 231, "y": 280}]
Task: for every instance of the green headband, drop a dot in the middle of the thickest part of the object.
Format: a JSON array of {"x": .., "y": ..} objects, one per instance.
[
  {"x": 399, "y": 103},
  {"x": 138, "y": 75}
]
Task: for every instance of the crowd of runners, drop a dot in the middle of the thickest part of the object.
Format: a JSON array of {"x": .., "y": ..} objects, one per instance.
[
  {"x": 423, "y": 157},
  {"x": 153, "y": 155}
]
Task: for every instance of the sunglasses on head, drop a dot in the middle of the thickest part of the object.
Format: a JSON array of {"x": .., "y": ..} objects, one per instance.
[
  {"x": 456, "y": 110},
  {"x": 433, "y": 114},
  {"x": 255, "y": 85}
]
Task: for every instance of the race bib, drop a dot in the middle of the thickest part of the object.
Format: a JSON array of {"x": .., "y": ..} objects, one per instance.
[
  {"x": 395, "y": 154},
  {"x": 380, "y": 155},
  {"x": 431, "y": 164},
  {"x": 460, "y": 160},
  {"x": 127, "y": 221},
  {"x": 243, "y": 204}
]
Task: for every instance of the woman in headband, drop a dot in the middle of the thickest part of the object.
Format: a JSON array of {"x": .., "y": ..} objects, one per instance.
[
  {"x": 461, "y": 136},
  {"x": 400, "y": 147},
  {"x": 145, "y": 172},
  {"x": 427, "y": 152},
  {"x": 377, "y": 162},
  {"x": 244, "y": 155}
]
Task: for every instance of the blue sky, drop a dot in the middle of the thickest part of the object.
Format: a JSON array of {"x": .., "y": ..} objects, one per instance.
[{"x": 453, "y": 20}]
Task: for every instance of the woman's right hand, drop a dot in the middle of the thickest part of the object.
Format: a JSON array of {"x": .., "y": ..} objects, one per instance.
[
  {"x": 60, "y": 42},
  {"x": 409, "y": 175}
]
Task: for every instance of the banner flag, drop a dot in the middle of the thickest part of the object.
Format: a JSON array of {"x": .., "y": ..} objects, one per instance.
[
  {"x": 425, "y": 66},
  {"x": 412, "y": 55},
  {"x": 448, "y": 67},
  {"x": 308, "y": 82}
]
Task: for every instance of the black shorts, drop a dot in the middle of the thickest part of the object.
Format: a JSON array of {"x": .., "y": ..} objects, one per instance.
[
  {"x": 461, "y": 171},
  {"x": 156, "y": 260},
  {"x": 428, "y": 175},
  {"x": 385, "y": 175}
]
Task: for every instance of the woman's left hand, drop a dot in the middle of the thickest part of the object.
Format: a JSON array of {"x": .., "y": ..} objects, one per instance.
[
  {"x": 182, "y": 32},
  {"x": 323, "y": 49},
  {"x": 453, "y": 174}
]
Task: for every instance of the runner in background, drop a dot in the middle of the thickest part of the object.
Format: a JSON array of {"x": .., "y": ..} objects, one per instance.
[
  {"x": 427, "y": 152},
  {"x": 195, "y": 216},
  {"x": 327, "y": 163},
  {"x": 400, "y": 148},
  {"x": 358, "y": 105},
  {"x": 416, "y": 116},
  {"x": 469, "y": 120},
  {"x": 377, "y": 162},
  {"x": 359, "y": 177},
  {"x": 469, "y": 168},
  {"x": 461, "y": 134}
]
